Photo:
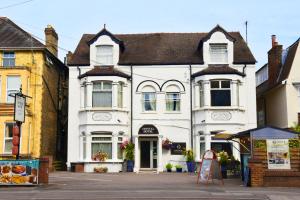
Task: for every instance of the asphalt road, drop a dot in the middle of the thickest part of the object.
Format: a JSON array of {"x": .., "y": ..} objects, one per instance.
[{"x": 75, "y": 186}]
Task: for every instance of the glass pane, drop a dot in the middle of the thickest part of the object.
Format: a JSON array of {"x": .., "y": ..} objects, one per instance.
[
  {"x": 225, "y": 84},
  {"x": 102, "y": 147},
  {"x": 101, "y": 139},
  {"x": 8, "y": 145},
  {"x": 102, "y": 99},
  {"x": 104, "y": 54},
  {"x": 220, "y": 98},
  {"x": 8, "y": 54},
  {"x": 120, "y": 139},
  {"x": 9, "y": 130},
  {"x": 214, "y": 84},
  {"x": 120, "y": 152},
  {"x": 97, "y": 86},
  {"x": 202, "y": 149},
  {"x": 107, "y": 85}
]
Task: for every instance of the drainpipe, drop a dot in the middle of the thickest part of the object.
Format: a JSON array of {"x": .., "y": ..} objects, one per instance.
[
  {"x": 131, "y": 104},
  {"x": 79, "y": 70},
  {"x": 244, "y": 68},
  {"x": 191, "y": 107}
]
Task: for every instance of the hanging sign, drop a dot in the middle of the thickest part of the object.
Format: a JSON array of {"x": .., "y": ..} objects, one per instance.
[
  {"x": 19, "y": 114},
  {"x": 278, "y": 154},
  {"x": 148, "y": 129}
]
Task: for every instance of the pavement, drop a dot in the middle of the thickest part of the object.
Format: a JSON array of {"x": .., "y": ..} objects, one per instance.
[{"x": 75, "y": 186}]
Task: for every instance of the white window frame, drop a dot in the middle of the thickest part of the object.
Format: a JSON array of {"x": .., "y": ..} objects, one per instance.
[
  {"x": 9, "y": 58},
  {"x": 201, "y": 94},
  {"x": 103, "y": 90},
  {"x": 14, "y": 90},
  {"x": 120, "y": 141},
  {"x": 150, "y": 101},
  {"x": 218, "y": 54},
  {"x": 102, "y": 135},
  {"x": 104, "y": 58},
  {"x": 7, "y": 138},
  {"x": 172, "y": 100},
  {"x": 221, "y": 88},
  {"x": 120, "y": 95}
]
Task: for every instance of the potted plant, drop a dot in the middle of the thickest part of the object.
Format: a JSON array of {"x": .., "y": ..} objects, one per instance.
[
  {"x": 128, "y": 148},
  {"x": 100, "y": 169},
  {"x": 169, "y": 167},
  {"x": 100, "y": 156},
  {"x": 190, "y": 160},
  {"x": 178, "y": 168},
  {"x": 223, "y": 160},
  {"x": 166, "y": 144}
]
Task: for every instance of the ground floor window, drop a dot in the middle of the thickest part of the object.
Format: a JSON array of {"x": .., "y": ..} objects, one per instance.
[
  {"x": 120, "y": 152},
  {"x": 101, "y": 142},
  {"x": 8, "y": 136},
  {"x": 202, "y": 147}
]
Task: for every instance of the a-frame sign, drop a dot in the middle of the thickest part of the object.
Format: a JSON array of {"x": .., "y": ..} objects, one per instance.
[{"x": 210, "y": 168}]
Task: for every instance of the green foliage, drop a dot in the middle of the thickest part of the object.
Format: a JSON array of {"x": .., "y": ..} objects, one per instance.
[
  {"x": 296, "y": 128},
  {"x": 178, "y": 166},
  {"x": 169, "y": 166},
  {"x": 129, "y": 151},
  {"x": 223, "y": 158},
  {"x": 189, "y": 154},
  {"x": 294, "y": 143},
  {"x": 260, "y": 144}
]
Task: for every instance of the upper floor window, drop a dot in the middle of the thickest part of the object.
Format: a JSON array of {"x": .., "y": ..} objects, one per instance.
[
  {"x": 220, "y": 93},
  {"x": 102, "y": 94},
  {"x": 218, "y": 53},
  {"x": 13, "y": 86},
  {"x": 149, "y": 101},
  {"x": 104, "y": 55},
  {"x": 201, "y": 93},
  {"x": 8, "y": 137},
  {"x": 8, "y": 59},
  {"x": 173, "y": 101},
  {"x": 262, "y": 75},
  {"x": 120, "y": 95}
]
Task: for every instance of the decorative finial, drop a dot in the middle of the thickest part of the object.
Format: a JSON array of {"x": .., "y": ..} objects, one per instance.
[{"x": 104, "y": 26}]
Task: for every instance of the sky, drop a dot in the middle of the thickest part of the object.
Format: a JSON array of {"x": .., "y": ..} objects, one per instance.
[{"x": 72, "y": 18}]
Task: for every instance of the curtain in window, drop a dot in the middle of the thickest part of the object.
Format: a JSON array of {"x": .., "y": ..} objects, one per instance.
[
  {"x": 173, "y": 102},
  {"x": 8, "y": 59},
  {"x": 104, "y": 54},
  {"x": 149, "y": 102},
  {"x": 120, "y": 95},
  {"x": 102, "y": 99},
  {"x": 218, "y": 53},
  {"x": 102, "y": 147}
]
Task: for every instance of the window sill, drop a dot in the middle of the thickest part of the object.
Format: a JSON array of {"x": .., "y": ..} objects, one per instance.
[
  {"x": 15, "y": 68},
  {"x": 240, "y": 108},
  {"x": 172, "y": 112},
  {"x": 149, "y": 112},
  {"x": 110, "y": 161},
  {"x": 103, "y": 109}
]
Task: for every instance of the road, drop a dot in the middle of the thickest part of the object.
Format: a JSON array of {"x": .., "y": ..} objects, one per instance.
[{"x": 75, "y": 186}]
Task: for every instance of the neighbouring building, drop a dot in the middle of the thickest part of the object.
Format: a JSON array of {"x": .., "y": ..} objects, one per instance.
[
  {"x": 278, "y": 87},
  {"x": 27, "y": 63},
  {"x": 185, "y": 87}
]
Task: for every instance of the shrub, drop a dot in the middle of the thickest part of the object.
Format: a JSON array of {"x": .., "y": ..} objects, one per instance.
[{"x": 169, "y": 166}]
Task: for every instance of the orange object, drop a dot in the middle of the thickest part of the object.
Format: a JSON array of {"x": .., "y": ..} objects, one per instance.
[
  {"x": 15, "y": 140},
  {"x": 15, "y": 150},
  {"x": 16, "y": 131}
]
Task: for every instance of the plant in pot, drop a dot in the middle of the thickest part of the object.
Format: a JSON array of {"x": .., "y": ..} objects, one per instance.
[
  {"x": 178, "y": 168},
  {"x": 190, "y": 160},
  {"x": 128, "y": 148},
  {"x": 169, "y": 167},
  {"x": 166, "y": 144},
  {"x": 223, "y": 159}
]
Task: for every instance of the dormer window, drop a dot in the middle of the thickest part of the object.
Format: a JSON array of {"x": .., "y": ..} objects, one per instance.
[
  {"x": 218, "y": 53},
  {"x": 104, "y": 55}
]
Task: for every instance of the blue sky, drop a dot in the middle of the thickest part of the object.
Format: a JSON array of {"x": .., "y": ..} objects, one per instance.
[{"x": 72, "y": 18}]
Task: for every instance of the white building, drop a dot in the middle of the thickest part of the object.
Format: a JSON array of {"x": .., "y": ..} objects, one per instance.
[{"x": 140, "y": 87}]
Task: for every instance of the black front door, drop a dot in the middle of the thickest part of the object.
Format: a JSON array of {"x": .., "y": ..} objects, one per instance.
[{"x": 145, "y": 154}]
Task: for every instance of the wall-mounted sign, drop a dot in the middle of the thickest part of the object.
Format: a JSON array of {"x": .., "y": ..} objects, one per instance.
[
  {"x": 177, "y": 148},
  {"x": 148, "y": 129},
  {"x": 101, "y": 116},
  {"x": 278, "y": 154},
  {"x": 20, "y": 103}
]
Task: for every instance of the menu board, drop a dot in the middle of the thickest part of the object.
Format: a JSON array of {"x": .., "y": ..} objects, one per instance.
[
  {"x": 278, "y": 154},
  {"x": 19, "y": 172},
  {"x": 177, "y": 148},
  {"x": 205, "y": 170}
]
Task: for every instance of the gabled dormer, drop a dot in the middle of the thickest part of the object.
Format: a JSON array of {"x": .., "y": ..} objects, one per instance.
[
  {"x": 105, "y": 49},
  {"x": 218, "y": 47}
]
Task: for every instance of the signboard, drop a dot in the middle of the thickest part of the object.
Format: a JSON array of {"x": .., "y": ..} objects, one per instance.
[
  {"x": 21, "y": 172},
  {"x": 210, "y": 168},
  {"x": 148, "y": 129},
  {"x": 278, "y": 154},
  {"x": 20, "y": 103},
  {"x": 177, "y": 148}
]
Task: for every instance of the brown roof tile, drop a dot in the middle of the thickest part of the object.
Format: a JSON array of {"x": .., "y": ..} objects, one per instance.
[
  {"x": 104, "y": 71},
  {"x": 161, "y": 49},
  {"x": 217, "y": 69}
]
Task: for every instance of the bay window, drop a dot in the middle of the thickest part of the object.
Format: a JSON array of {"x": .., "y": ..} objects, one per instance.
[
  {"x": 173, "y": 101},
  {"x": 102, "y": 94},
  {"x": 201, "y": 93},
  {"x": 120, "y": 95},
  {"x": 101, "y": 142},
  {"x": 220, "y": 92},
  {"x": 149, "y": 101},
  {"x": 8, "y": 136},
  {"x": 104, "y": 55},
  {"x": 218, "y": 53},
  {"x": 120, "y": 152},
  {"x": 8, "y": 59},
  {"x": 13, "y": 86}
]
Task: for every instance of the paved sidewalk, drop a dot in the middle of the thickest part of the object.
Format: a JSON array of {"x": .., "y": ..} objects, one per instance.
[{"x": 67, "y": 185}]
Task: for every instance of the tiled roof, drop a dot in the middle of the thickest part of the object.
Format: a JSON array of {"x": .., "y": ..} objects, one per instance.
[
  {"x": 12, "y": 36},
  {"x": 217, "y": 69},
  {"x": 104, "y": 71},
  {"x": 283, "y": 72},
  {"x": 161, "y": 49}
]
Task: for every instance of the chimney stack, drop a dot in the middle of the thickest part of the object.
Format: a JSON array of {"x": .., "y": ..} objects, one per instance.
[
  {"x": 51, "y": 39},
  {"x": 274, "y": 42}
]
